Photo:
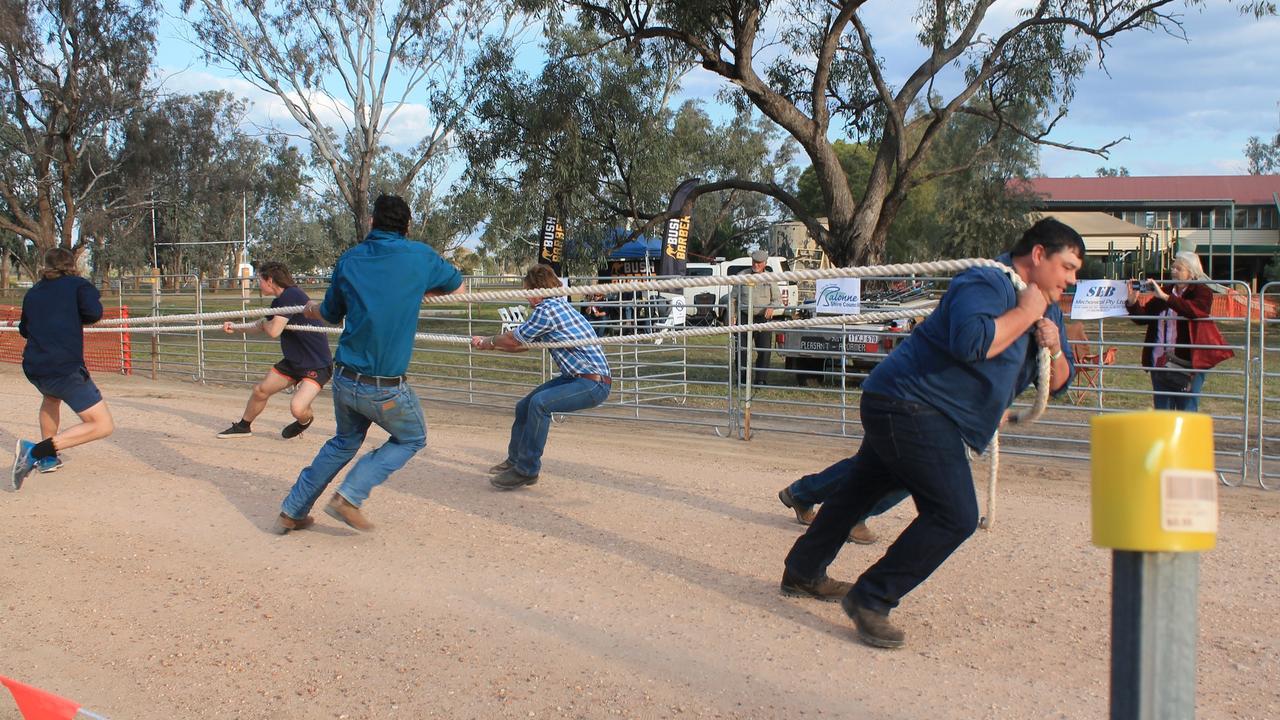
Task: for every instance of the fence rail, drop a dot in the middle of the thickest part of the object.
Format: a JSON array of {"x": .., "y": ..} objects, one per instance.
[{"x": 696, "y": 382}]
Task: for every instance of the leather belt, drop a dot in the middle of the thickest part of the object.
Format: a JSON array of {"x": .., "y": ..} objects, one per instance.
[
  {"x": 605, "y": 379},
  {"x": 376, "y": 380}
]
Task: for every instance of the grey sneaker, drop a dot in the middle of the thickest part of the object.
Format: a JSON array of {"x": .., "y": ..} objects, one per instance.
[
  {"x": 510, "y": 479},
  {"x": 804, "y": 513},
  {"x": 237, "y": 430},
  {"x": 874, "y": 628},
  {"x": 824, "y": 588},
  {"x": 501, "y": 467},
  {"x": 23, "y": 464}
]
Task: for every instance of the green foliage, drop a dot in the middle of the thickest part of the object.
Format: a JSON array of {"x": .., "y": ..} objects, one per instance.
[{"x": 593, "y": 140}]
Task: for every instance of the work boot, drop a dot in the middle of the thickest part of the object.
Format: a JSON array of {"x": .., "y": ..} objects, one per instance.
[
  {"x": 824, "y": 588},
  {"x": 510, "y": 479},
  {"x": 804, "y": 513},
  {"x": 501, "y": 467},
  {"x": 874, "y": 628},
  {"x": 284, "y": 524},
  {"x": 339, "y": 508},
  {"x": 862, "y": 535}
]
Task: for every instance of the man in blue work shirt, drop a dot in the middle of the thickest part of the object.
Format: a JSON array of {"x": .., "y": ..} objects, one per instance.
[
  {"x": 377, "y": 287},
  {"x": 947, "y": 387},
  {"x": 583, "y": 383}
]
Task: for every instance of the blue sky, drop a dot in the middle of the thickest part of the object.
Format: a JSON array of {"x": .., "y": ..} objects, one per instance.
[{"x": 1188, "y": 107}]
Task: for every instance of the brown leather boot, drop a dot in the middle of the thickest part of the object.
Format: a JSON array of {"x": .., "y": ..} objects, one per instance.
[
  {"x": 804, "y": 513},
  {"x": 861, "y": 534},
  {"x": 284, "y": 524},
  {"x": 874, "y": 628},
  {"x": 340, "y": 509},
  {"x": 824, "y": 588}
]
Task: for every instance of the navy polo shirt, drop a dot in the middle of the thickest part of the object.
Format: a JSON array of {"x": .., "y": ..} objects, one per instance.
[
  {"x": 54, "y": 313},
  {"x": 306, "y": 350}
]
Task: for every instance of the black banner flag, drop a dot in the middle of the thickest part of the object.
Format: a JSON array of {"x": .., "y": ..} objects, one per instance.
[
  {"x": 675, "y": 241},
  {"x": 552, "y": 250}
]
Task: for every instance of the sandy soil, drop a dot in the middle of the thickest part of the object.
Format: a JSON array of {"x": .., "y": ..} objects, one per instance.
[{"x": 638, "y": 579}]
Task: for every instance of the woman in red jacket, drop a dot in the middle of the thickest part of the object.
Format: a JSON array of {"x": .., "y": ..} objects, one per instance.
[{"x": 1176, "y": 318}]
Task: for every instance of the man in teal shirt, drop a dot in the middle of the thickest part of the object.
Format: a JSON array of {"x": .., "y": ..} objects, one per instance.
[{"x": 377, "y": 287}]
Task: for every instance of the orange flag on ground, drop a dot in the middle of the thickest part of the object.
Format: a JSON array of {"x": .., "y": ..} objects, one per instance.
[{"x": 36, "y": 704}]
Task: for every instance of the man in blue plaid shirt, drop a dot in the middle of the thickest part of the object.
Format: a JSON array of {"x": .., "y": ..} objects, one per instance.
[{"x": 584, "y": 382}]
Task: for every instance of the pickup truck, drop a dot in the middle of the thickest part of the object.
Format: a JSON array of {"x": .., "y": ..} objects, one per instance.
[
  {"x": 709, "y": 305},
  {"x": 814, "y": 353}
]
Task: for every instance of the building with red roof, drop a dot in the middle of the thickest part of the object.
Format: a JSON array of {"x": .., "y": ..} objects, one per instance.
[{"x": 1231, "y": 221}]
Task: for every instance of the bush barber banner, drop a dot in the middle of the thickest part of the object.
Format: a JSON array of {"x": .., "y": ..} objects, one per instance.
[{"x": 551, "y": 251}]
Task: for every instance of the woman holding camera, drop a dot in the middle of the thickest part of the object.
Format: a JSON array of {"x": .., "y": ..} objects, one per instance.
[{"x": 1176, "y": 322}]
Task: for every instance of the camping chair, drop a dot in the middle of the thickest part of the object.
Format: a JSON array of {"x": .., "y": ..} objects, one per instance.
[
  {"x": 512, "y": 317},
  {"x": 1088, "y": 364}
]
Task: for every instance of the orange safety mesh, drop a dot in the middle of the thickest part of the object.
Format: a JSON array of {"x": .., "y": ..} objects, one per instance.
[{"x": 103, "y": 352}]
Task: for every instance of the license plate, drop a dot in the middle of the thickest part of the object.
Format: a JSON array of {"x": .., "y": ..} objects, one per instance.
[{"x": 863, "y": 339}]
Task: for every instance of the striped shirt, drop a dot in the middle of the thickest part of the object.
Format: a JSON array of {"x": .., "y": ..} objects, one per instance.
[{"x": 553, "y": 320}]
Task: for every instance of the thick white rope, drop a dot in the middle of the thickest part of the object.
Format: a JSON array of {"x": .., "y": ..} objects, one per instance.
[
  {"x": 870, "y": 271},
  {"x": 1030, "y": 415}
]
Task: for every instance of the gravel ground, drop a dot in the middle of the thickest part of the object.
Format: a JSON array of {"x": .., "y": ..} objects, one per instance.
[{"x": 637, "y": 579}]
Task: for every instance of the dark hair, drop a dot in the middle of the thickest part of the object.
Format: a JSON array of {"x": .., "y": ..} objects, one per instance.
[
  {"x": 277, "y": 273},
  {"x": 391, "y": 212},
  {"x": 541, "y": 276},
  {"x": 1055, "y": 236},
  {"x": 58, "y": 262}
]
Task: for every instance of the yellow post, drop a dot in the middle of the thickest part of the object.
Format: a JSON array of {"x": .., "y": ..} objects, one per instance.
[
  {"x": 1154, "y": 485},
  {"x": 1155, "y": 504}
]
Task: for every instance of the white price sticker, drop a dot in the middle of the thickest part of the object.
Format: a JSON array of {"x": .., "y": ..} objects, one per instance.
[{"x": 1189, "y": 501}]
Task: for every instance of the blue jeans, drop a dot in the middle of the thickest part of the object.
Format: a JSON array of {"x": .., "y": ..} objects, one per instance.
[
  {"x": 814, "y": 489},
  {"x": 1190, "y": 402},
  {"x": 355, "y": 407},
  {"x": 533, "y": 417},
  {"x": 907, "y": 446}
]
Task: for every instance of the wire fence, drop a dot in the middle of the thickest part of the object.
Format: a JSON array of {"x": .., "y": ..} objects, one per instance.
[{"x": 796, "y": 382}]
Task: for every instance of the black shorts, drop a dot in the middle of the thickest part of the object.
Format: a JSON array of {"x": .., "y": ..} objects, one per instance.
[{"x": 319, "y": 376}]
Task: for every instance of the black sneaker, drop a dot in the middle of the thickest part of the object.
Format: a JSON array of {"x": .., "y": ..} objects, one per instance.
[
  {"x": 511, "y": 479},
  {"x": 295, "y": 428},
  {"x": 874, "y": 628},
  {"x": 238, "y": 430},
  {"x": 824, "y": 588}
]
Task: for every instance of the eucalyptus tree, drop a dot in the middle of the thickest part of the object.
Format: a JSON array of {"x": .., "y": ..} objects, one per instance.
[
  {"x": 211, "y": 185},
  {"x": 72, "y": 71},
  {"x": 814, "y": 68},
  {"x": 347, "y": 71},
  {"x": 599, "y": 139}
]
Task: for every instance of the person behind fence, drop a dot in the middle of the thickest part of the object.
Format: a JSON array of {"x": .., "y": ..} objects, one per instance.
[
  {"x": 54, "y": 313},
  {"x": 803, "y": 494},
  {"x": 306, "y": 366},
  {"x": 756, "y": 303},
  {"x": 945, "y": 388},
  {"x": 584, "y": 381},
  {"x": 377, "y": 288},
  {"x": 1178, "y": 332}
]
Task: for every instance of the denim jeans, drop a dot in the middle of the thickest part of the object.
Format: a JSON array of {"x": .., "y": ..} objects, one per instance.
[
  {"x": 565, "y": 393},
  {"x": 1190, "y": 402},
  {"x": 355, "y": 407},
  {"x": 815, "y": 488},
  {"x": 907, "y": 446}
]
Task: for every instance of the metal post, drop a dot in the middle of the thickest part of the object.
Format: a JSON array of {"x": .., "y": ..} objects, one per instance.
[{"x": 1153, "y": 635}]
